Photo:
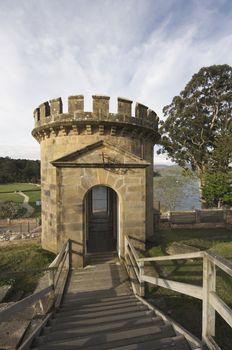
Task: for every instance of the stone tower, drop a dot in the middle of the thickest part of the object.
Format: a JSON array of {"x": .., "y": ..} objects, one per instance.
[{"x": 96, "y": 174}]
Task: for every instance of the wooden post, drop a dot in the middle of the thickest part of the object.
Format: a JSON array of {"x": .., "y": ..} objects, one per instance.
[
  {"x": 68, "y": 257},
  {"x": 208, "y": 312},
  {"x": 51, "y": 277},
  {"x": 141, "y": 272}
]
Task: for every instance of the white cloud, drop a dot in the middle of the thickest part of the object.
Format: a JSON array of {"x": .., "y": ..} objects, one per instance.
[{"x": 143, "y": 50}]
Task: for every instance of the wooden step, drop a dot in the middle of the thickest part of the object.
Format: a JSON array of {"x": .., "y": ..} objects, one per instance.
[
  {"x": 105, "y": 319},
  {"x": 109, "y": 339},
  {"x": 173, "y": 343},
  {"x": 94, "y": 295},
  {"x": 100, "y": 313},
  {"x": 98, "y": 307},
  {"x": 65, "y": 331},
  {"x": 73, "y": 300}
]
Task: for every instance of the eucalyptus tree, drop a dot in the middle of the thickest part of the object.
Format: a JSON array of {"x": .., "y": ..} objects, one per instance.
[{"x": 198, "y": 125}]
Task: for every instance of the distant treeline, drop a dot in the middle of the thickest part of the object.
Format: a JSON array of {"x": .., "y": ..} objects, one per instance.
[{"x": 19, "y": 170}]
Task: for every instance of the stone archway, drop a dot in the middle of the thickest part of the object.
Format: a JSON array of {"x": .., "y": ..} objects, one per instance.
[{"x": 101, "y": 219}]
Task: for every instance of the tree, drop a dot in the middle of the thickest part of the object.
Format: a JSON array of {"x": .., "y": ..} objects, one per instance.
[
  {"x": 217, "y": 189},
  {"x": 11, "y": 210},
  {"x": 19, "y": 170},
  {"x": 199, "y": 122}
]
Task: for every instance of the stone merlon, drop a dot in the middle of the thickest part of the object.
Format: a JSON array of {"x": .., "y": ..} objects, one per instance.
[{"x": 51, "y": 112}]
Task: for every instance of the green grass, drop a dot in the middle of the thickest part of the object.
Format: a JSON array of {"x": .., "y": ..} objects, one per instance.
[
  {"x": 7, "y": 193},
  {"x": 33, "y": 197},
  {"x": 184, "y": 309},
  {"x": 10, "y": 197},
  {"x": 11, "y": 187},
  {"x": 21, "y": 266}
]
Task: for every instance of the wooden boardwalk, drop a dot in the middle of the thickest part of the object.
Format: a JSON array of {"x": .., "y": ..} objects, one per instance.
[{"x": 99, "y": 311}]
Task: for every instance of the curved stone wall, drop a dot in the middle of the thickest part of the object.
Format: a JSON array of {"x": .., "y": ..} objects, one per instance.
[{"x": 129, "y": 139}]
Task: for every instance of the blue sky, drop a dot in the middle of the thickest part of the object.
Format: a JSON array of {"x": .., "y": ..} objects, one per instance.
[{"x": 140, "y": 49}]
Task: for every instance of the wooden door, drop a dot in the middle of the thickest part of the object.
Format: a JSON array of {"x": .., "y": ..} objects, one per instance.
[{"x": 102, "y": 231}]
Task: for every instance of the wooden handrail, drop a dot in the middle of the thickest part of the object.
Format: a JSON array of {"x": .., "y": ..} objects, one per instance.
[
  {"x": 132, "y": 248},
  {"x": 55, "y": 269},
  {"x": 220, "y": 262},
  {"x": 207, "y": 293},
  {"x": 174, "y": 257},
  {"x": 184, "y": 288},
  {"x": 221, "y": 307},
  {"x": 22, "y": 304},
  {"x": 55, "y": 263}
]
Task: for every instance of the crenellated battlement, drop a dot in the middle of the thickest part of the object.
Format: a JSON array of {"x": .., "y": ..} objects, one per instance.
[
  {"x": 51, "y": 120},
  {"x": 52, "y": 111}
]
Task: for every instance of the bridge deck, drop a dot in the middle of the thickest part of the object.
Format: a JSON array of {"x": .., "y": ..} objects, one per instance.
[
  {"x": 99, "y": 311},
  {"x": 104, "y": 276}
]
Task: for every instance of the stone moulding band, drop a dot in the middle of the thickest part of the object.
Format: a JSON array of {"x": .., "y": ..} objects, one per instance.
[
  {"x": 140, "y": 130},
  {"x": 98, "y": 165}
]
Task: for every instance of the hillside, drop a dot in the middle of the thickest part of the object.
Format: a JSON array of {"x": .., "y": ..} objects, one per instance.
[{"x": 19, "y": 170}]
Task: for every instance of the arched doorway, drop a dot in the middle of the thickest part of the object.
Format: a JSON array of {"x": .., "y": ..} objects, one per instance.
[{"x": 101, "y": 219}]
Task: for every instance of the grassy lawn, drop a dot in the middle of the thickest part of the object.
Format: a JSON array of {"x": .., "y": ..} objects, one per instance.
[
  {"x": 16, "y": 260},
  {"x": 187, "y": 310},
  {"x": 7, "y": 193},
  {"x": 11, "y": 197},
  {"x": 33, "y": 197},
  {"x": 17, "y": 187}
]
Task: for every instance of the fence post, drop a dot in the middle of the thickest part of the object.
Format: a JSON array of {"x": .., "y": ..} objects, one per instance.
[
  {"x": 141, "y": 272},
  {"x": 68, "y": 257},
  {"x": 51, "y": 277},
  {"x": 125, "y": 253},
  {"x": 208, "y": 312}
]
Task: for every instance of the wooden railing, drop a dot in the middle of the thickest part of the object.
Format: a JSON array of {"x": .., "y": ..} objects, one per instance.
[
  {"x": 211, "y": 302},
  {"x": 58, "y": 272}
]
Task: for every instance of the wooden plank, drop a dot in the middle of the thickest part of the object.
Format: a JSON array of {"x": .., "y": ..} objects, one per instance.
[
  {"x": 20, "y": 305},
  {"x": 28, "y": 342},
  {"x": 221, "y": 262},
  {"x": 212, "y": 345},
  {"x": 61, "y": 290},
  {"x": 209, "y": 285},
  {"x": 59, "y": 269},
  {"x": 58, "y": 258},
  {"x": 133, "y": 267},
  {"x": 174, "y": 257},
  {"x": 184, "y": 288},
  {"x": 221, "y": 307},
  {"x": 141, "y": 283},
  {"x": 194, "y": 341},
  {"x": 134, "y": 252}
]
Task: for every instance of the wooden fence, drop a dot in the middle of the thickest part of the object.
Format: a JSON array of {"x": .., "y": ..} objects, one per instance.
[
  {"x": 58, "y": 272},
  {"x": 211, "y": 302},
  {"x": 23, "y": 221}
]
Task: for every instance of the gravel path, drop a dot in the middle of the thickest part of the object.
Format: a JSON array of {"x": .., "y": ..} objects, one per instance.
[{"x": 26, "y": 205}]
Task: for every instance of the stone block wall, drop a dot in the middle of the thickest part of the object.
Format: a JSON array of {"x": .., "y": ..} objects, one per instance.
[{"x": 128, "y": 142}]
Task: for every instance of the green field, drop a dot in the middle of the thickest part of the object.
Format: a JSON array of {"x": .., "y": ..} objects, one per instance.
[
  {"x": 187, "y": 310},
  {"x": 8, "y": 192},
  {"x": 12, "y": 187},
  {"x": 22, "y": 265},
  {"x": 11, "y": 197},
  {"x": 33, "y": 197}
]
